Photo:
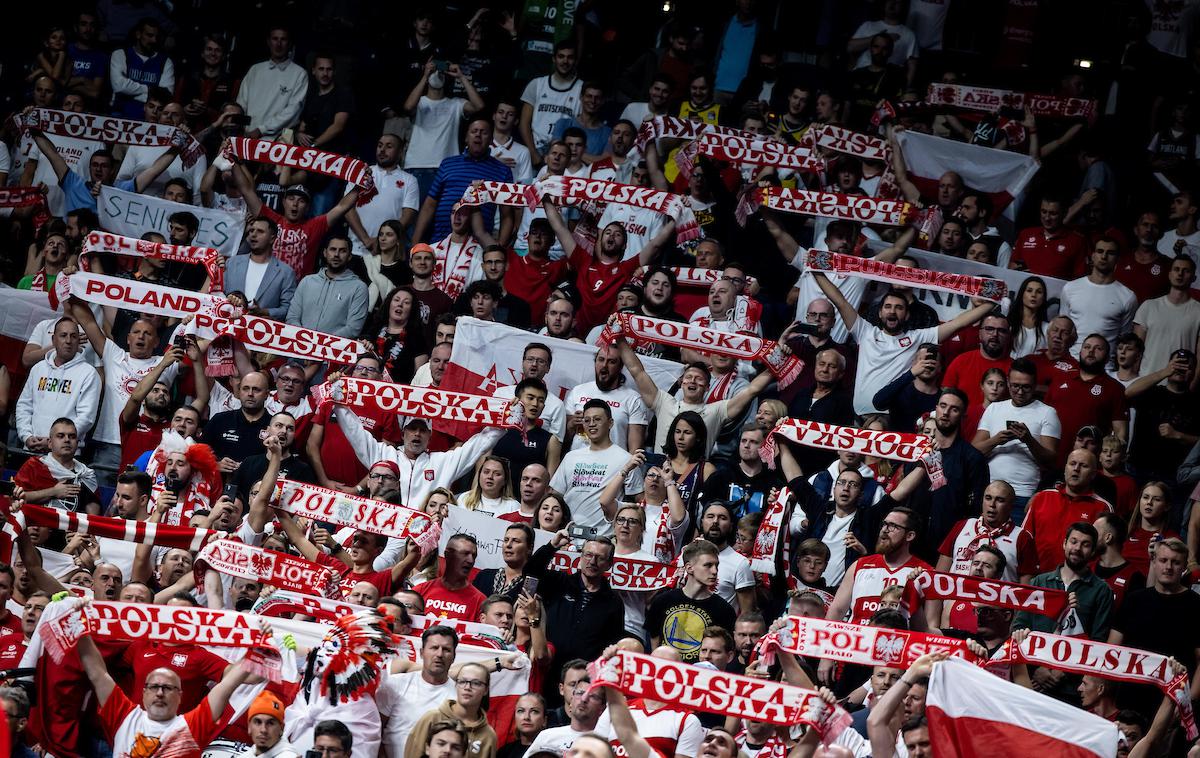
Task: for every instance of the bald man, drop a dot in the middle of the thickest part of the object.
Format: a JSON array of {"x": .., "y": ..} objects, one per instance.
[
  {"x": 1052, "y": 511},
  {"x": 236, "y": 435},
  {"x": 670, "y": 731}
]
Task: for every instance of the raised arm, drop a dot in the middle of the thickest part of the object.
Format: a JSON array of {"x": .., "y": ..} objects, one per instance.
[
  {"x": 218, "y": 697},
  {"x": 346, "y": 203},
  {"x": 245, "y": 184},
  {"x": 787, "y": 244},
  {"x": 624, "y": 724},
  {"x": 907, "y": 188},
  {"x": 50, "y": 153},
  {"x": 738, "y": 402},
  {"x": 835, "y": 296},
  {"x": 96, "y": 669},
  {"x": 367, "y": 448},
  {"x": 645, "y": 384},
  {"x": 155, "y": 169},
  {"x": 133, "y": 406},
  {"x": 963, "y": 320},
  {"x": 560, "y": 227},
  {"x": 883, "y": 721},
  {"x": 890, "y": 253},
  {"x": 296, "y": 536},
  {"x": 83, "y": 315},
  {"x": 612, "y": 491},
  {"x": 665, "y": 235}
]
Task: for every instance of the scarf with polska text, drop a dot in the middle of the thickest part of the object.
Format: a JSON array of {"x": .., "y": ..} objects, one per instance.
[
  {"x": 692, "y": 688},
  {"x": 210, "y": 258},
  {"x": 984, "y": 288},
  {"x": 333, "y": 506},
  {"x": 1124, "y": 664},
  {"x": 276, "y": 337},
  {"x": 673, "y": 127},
  {"x": 592, "y": 195},
  {"x": 687, "y": 276},
  {"x": 992, "y": 100},
  {"x": 111, "y": 129},
  {"x": 757, "y": 151},
  {"x": 899, "y": 446},
  {"x": 498, "y": 193},
  {"x": 422, "y": 402},
  {"x": 866, "y": 147},
  {"x": 281, "y": 602},
  {"x": 21, "y": 197},
  {"x": 992, "y": 592},
  {"x": 237, "y": 559},
  {"x": 856, "y": 643},
  {"x": 782, "y": 364},
  {"x": 329, "y": 164},
  {"x": 626, "y": 574},
  {"x": 128, "y": 530},
  {"x": 861, "y": 209}
]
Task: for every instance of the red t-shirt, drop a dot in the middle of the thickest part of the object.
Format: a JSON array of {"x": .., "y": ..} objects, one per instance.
[
  {"x": 340, "y": 461},
  {"x": 297, "y": 244},
  {"x": 11, "y": 623},
  {"x": 1098, "y": 401},
  {"x": 196, "y": 667},
  {"x": 1126, "y": 487},
  {"x": 1050, "y": 513},
  {"x": 442, "y": 602},
  {"x": 1136, "y": 549},
  {"x": 134, "y": 735},
  {"x": 1147, "y": 280},
  {"x": 12, "y": 649},
  {"x": 960, "y": 343},
  {"x": 967, "y": 370},
  {"x": 1061, "y": 255},
  {"x": 1048, "y": 371},
  {"x": 532, "y": 281},
  {"x": 381, "y": 579},
  {"x": 598, "y": 285},
  {"x": 143, "y": 435}
]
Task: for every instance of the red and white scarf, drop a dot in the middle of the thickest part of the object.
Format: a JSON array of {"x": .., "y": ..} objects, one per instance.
[
  {"x": 629, "y": 574},
  {"x": 692, "y": 688},
  {"x": 498, "y": 193},
  {"x": 784, "y": 366},
  {"x": 141, "y": 297},
  {"x": 321, "y": 504},
  {"x": 257, "y": 564},
  {"x": 593, "y": 194},
  {"x": 842, "y": 140},
  {"x": 210, "y": 258},
  {"x": 856, "y": 643},
  {"x": 686, "y": 276},
  {"x": 771, "y": 534},
  {"x": 757, "y": 151},
  {"x": 981, "y": 287},
  {"x": 993, "y": 592},
  {"x": 861, "y": 209},
  {"x": 992, "y": 100},
  {"x": 421, "y": 402},
  {"x": 1124, "y": 664},
  {"x": 21, "y": 197},
  {"x": 673, "y": 127},
  {"x": 269, "y": 336},
  {"x": 122, "y": 131},
  {"x": 334, "y": 165},
  {"x": 898, "y": 446},
  {"x": 452, "y": 264},
  {"x": 129, "y": 530}
]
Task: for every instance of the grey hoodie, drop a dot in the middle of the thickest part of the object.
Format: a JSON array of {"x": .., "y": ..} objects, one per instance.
[{"x": 335, "y": 306}]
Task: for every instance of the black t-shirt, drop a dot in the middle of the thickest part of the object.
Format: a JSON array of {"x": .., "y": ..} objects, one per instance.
[
  {"x": 431, "y": 304},
  {"x": 679, "y": 621},
  {"x": 746, "y": 493},
  {"x": 230, "y": 435},
  {"x": 320, "y": 110},
  {"x": 1155, "y": 455},
  {"x": 1164, "y": 624},
  {"x": 520, "y": 452},
  {"x": 252, "y": 469}
]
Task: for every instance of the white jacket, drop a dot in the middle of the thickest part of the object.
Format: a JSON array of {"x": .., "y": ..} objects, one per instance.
[
  {"x": 71, "y": 390},
  {"x": 272, "y": 94}
]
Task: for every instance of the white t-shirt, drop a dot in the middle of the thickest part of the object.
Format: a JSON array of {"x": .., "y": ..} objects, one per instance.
[
  {"x": 927, "y": 19},
  {"x": 1030, "y": 341},
  {"x": 627, "y": 408},
  {"x": 641, "y": 224},
  {"x": 637, "y": 113},
  {"x": 255, "y": 271},
  {"x": 1012, "y": 461},
  {"x": 853, "y": 288},
  {"x": 883, "y": 357},
  {"x": 905, "y": 47},
  {"x": 557, "y": 740},
  {"x": 839, "y": 527},
  {"x": 140, "y": 157},
  {"x": 43, "y": 333},
  {"x": 666, "y": 408},
  {"x": 1169, "y": 327},
  {"x": 121, "y": 374},
  {"x": 554, "y": 413},
  {"x": 1191, "y": 242},
  {"x": 435, "y": 132},
  {"x": 76, "y": 152},
  {"x": 733, "y": 574},
  {"x": 1170, "y": 24},
  {"x": 493, "y": 506},
  {"x": 396, "y": 189},
  {"x": 583, "y": 474},
  {"x": 1098, "y": 308},
  {"x": 405, "y": 698},
  {"x": 549, "y": 104},
  {"x": 522, "y": 168}
]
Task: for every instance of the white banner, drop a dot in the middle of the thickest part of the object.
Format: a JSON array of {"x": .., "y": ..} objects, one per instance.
[
  {"x": 487, "y": 530},
  {"x": 133, "y": 215},
  {"x": 487, "y": 355},
  {"x": 950, "y": 305}
]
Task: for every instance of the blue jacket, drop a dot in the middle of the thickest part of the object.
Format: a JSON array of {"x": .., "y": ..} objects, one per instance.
[{"x": 274, "y": 292}]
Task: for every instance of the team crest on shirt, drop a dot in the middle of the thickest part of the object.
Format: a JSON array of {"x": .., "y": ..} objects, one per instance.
[
  {"x": 1096, "y": 390},
  {"x": 905, "y": 341},
  {"x": 1155, "y": 270},
  {"x": 179, "y": 660},
  {"x": 429, "y": 475},
  {"x": 1062, "y": 248}
]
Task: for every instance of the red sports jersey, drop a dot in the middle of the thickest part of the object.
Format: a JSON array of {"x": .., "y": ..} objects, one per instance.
[
  {"x": 967, "y": 535},
  {"x": 872, "y": 575},
  {"x": 1061, "y": 254},
  {"x": 196, "y": 667},
  {"x": 461, "y": 604}
]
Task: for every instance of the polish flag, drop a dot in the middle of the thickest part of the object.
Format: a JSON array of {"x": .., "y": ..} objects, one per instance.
[
  {"x": 999, "y": 173},
  {"x": 971, "y": 712}
]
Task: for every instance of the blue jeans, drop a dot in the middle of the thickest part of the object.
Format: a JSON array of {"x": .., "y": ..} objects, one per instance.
[
  {"x": 1018, "y": 509},
  {"x": 327, "y": 198}
]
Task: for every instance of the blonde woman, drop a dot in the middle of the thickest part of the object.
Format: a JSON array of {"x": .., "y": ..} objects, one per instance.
[{"x": 491, "y": 490}]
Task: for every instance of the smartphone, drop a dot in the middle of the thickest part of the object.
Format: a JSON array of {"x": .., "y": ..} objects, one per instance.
[
  {"x": 805, "y": 328},
  {"x": 7, "y": 487},
  {"x": 180, "y": 342},
  {"x": 580, "y": 532},
  {"x": 442, "y": 66},
  {"x": 529, "y": 586},
  {"x": 240, "y": 119},
  {"x": 931, "y": 351},
  {"x": 314, "y": 754},
  {"x": 1010, "y": 425},
  {"x": 655, "y": 460},
  {"x": 230, "y": 491}
]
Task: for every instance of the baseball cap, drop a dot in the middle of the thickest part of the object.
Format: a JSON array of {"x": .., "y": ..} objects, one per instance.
[
  {"x": 421, "y": 247},
  {"x": 266, "y": 704},
  {"x": 298, "y": 189},
  {"x": 1088, "y": 432},
  {"x": 389, "y": 465},
  {"x": 417, "y": 420}
]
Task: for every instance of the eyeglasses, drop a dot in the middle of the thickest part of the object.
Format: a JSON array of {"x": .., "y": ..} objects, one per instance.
[
  {"x": 289, "y": 380},
  {"x": 471, "y": 683},
  {"x": 848, "y": 483},
  {"x": 888, "y": 526},
  {"x": 365, "y": 370},
  {"x": 383, "y": 477},
  {"x": 594, "y": 557},
  {"x": 626, "y": 521},
  {"x": 162, "y": 688},
  {"x": 326, "y": 750},
  {"x": 818, "y": 314},
  {"x": 734, "y": 279}
]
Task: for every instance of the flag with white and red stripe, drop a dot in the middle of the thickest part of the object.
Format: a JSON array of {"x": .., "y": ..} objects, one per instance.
[{"x": 999, "y": 173}]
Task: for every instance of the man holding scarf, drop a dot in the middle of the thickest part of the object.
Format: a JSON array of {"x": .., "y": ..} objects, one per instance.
[{"x": 56, "y": 478}]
